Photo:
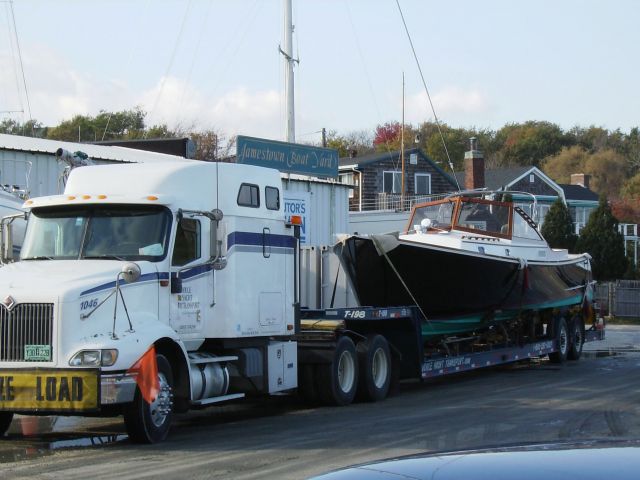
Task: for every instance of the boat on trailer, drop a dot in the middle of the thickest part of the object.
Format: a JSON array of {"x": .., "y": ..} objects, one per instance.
[{"x": 468, "y": 261}]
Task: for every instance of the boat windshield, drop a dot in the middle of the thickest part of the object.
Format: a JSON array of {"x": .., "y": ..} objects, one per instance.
[
  {"x": 439, "y": 213},
  {"x": 486, "y": 217},
  {"x": 98, "y": 232}
]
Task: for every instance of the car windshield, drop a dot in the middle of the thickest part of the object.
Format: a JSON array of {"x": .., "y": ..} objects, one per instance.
[{"x": 97, "y": 232}]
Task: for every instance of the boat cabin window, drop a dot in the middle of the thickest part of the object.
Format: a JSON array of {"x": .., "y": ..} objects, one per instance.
[
  {"x": 439, "y": 214},
  {"x": 187, "y": 244},
  {"x": 523, "y": 226},
  {"x": 272, "y": 198},
  {"x": 487, "y": 217},
  {"x": 249, "y": 195}
]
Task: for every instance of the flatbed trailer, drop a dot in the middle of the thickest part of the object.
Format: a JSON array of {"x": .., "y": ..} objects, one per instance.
[{"x": 556, "y": 333}]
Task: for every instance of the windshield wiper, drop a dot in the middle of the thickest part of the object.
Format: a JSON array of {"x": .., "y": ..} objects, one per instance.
[
  {"x": 40, "y": 257},
  {"x": 103, "y": 257}
]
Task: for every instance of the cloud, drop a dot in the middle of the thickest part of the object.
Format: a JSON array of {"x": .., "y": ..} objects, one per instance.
[
  {"x": 177, "y": 103},
  {"x": 450, "y": 103}
]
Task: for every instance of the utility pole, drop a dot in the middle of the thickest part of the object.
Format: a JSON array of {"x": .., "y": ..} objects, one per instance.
[{"x": 324, "y": 137}]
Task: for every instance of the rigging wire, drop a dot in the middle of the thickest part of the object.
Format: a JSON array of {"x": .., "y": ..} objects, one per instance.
[
  {"x": 205, "y": 18},
  {"x": 387, "y": 146},
  {"x": 145, "y": 20},
  {"x": 435, "y": 116},
  {"x": 13, "y": 62},
  {"x": 171, "y": 59},
  {"x": 24, "y": 79}
]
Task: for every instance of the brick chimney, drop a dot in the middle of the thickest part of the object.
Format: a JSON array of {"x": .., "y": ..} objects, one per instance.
[
  {"x": 580, "y": 179},
  {"x": 473, "y": 167}
]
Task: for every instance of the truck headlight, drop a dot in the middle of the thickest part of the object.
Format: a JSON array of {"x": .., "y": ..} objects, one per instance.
[{"x": 94, "y": 358}]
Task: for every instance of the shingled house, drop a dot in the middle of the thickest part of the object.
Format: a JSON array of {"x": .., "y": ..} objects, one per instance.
[
  {"x": 377, "y": 180},
  {"x": 579, "y": 199}
]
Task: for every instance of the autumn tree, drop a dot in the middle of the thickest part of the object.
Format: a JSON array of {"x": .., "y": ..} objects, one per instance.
[
  {"x": 530, "y": 142},
  {"x": 387, "y": 136},
  {"x": 557, "y": 228},
  {"x": 358, "y": 141},
  {"x": 601, "y": 239}
]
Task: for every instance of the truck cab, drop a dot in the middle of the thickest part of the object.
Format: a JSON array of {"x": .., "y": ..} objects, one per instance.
[{"x": 190, "y": 264}]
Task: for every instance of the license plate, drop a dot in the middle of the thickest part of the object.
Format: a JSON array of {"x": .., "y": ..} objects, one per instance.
[
  {"x": 37, "y": 353},
  {"x": 51, "y": 390}
]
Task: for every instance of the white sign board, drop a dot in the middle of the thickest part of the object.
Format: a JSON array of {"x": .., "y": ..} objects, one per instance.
[{"x": 299, "y": 203}]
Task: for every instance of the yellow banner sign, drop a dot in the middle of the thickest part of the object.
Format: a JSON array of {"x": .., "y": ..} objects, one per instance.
[{"x": 49, "y": 390}]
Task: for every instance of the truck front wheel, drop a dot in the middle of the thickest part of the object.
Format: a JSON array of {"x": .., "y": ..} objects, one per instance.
[
  {"x": 338, "y": 380},
  {"x": 5, "y": 422},
  {"x": 150, "y": 422}
]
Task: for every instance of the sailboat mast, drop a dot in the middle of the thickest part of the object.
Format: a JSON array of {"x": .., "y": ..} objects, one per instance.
[
  {"x": 288, "y": 85},
  {"x": 402, "y": 149}
]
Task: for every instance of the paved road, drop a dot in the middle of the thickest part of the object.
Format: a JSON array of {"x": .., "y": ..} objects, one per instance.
[{"x": 597, "y": 397}]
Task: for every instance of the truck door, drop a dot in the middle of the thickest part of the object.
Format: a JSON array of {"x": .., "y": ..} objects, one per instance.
[{"x": 190, "y": 302}]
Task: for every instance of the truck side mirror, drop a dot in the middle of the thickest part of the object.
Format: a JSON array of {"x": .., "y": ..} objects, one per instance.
[
  {"x": 176, "y": 285},
  {"x": 6, "y": 242}
]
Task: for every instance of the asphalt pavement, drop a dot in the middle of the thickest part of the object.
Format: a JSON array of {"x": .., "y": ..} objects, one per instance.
[{"x": 597, "y": 397}]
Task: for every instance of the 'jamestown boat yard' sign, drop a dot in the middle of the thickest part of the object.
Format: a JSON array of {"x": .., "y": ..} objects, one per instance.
[{"x": 288, "y": 157}]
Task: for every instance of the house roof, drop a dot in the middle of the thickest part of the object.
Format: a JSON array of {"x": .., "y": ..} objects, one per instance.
[
  {"x": 578, "y": 192},
  {"x": 500, "y": 177},
  {"x": 497, "y": 178},
  {"x": 393, "y": 156}
]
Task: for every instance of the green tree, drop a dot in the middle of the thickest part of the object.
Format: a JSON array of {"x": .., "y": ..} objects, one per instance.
[
  {"x": 601, "y": 239},
  {"x": 530, "y": 142},
  {"x": 557, "y": 228}
]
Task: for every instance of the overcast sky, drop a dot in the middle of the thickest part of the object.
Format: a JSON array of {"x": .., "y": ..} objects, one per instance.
[{"x": 215, "y": 63}]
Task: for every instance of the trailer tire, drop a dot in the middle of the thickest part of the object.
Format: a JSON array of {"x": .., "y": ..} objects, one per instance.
[
  {"x": 145, "y": 422},
  {"x": 307, "y": 386},
  {"x": 375, "y": 363},
  {"x": 338, "y": 380},
  {"x": 576, "y": 337},
  {"x": 561, "y": 335},
  {"x": 5, "y": 422}
]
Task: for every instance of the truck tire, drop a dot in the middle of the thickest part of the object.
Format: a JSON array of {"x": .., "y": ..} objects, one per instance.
[
  {"x": 561, "y": 335},
  {"x": 374, "y": 359},
  {"x": 307, "y": 386},
  {"x": 150, "y": 422},
  {"x": 338, "y": 380},
  {"x": 576, "y": 337},
  {"x": 5, "y": 422}
]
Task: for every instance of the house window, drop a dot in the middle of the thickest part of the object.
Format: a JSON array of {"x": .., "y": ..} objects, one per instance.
[
  {"x": 272, "y": 198},
  {"x": 249, "y": 195},
  {"x": 532, "y": 178},
  {"x": 413, "y": 159},
  {"x": 423, "y": 183},
  {"x": 391, "y": 181}
]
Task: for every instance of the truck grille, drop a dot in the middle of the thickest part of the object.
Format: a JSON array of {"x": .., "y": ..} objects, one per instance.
[{"x": 25, "y": 324}]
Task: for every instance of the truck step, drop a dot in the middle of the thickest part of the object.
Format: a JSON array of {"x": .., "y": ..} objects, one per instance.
[
  {"x": 199, "y": 360},
  {"x": 223, "y": 398}
]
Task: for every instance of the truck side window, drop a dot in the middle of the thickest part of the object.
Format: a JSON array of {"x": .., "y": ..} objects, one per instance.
[
  {"x": 272, "y": 198},
  {"x": 187, "y": 245},
  {"x": 249, "y": 195}
]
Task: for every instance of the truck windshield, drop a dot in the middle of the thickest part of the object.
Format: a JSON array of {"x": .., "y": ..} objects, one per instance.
[{"x": 100, "y": 232}]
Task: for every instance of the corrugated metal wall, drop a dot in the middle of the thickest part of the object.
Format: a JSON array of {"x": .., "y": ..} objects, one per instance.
[
  {"x": 329, "y": 214},
  {"x": 43, "y": 176}
]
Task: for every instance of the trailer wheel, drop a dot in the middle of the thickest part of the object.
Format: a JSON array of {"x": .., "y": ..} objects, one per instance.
[
  {"x": 5, "y": 422},
  {"x": 307, "y": 386},
  {"x": 374, "y": 358},
  {"x": 150, "y": 422},
  {"x": 561, "y": 333},
  {"x": 576, "y": 331},
  {"x": 338, "y": 380}
]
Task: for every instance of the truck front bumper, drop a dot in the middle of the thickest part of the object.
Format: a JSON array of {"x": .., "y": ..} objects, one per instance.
[{"x": 117, "y": 388}]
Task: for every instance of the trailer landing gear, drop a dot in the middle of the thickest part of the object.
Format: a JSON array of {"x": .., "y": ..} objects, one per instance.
[{"x": 5, "y": 422}]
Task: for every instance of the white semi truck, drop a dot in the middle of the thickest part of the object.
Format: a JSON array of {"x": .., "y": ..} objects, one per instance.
[{"x": 150, "y": 289}]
